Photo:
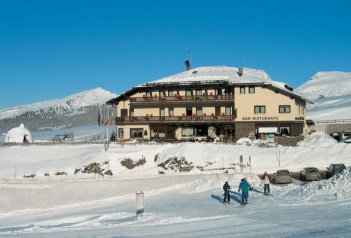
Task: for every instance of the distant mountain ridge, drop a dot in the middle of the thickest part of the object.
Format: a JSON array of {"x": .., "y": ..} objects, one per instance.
[
  {"x": 77, "y": 109},
  {"x": 331, "y": 94}
]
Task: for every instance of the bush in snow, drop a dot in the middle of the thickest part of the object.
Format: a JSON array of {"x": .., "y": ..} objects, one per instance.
[
  {"x": 177, "y": 164},
  {"x": 60, "y": 173},
  {"x": 130, "y": 164},
  {"x": 29, "y": 176},
  {"x": 95, "y": 168}
]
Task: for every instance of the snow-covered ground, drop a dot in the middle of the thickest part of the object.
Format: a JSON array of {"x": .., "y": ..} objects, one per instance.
[{"x": 177, "y": 204}]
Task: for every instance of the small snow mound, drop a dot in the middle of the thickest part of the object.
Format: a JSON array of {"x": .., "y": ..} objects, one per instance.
[
  {"x": 318, "y": 139},
  {"x": 244, "y": 141}
]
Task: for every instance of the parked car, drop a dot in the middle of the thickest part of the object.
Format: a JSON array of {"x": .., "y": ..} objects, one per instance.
[
  {"x": 346, "y": 140},
  {"x": 310, "y": 174},
  {"x": 282, "y": 176},
  {"x": 334, "y": 169}
]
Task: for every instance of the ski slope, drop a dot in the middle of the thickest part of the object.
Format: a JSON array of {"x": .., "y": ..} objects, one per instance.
[{"x": 331, "y": 94}]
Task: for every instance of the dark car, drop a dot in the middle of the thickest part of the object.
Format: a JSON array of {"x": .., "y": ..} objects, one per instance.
[
  {"x": 334, "y": 169},
  {"x": 282, "y": 176},
  {"x": 310, "y": 174}
]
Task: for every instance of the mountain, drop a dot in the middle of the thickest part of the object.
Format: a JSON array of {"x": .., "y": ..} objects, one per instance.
[
  {"x": 331, "y": 94},
  {"x": 74, "y": 110}
]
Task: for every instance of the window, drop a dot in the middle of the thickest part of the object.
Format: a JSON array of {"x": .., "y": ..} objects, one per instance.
[
  {"x": 189, "y": 111},
  {"x": 198, "y": 92},
  {"x": 161, "y": 133},
  {"x": 131, "y": 112},
  {"x": 148, "y": 94},
  {"x": 162, "y": 93},
  {"x": 242, "y": 89},
  {"x": 284, "y": 131},
  {"x": 218, "y": 91},
  {"x": 201, "y": 130},
  {"x": 170, "y": 93},
  {"x": 228, "y": 91},
  {"x": 171, "y": 112},
  {"x": 121, "y": 133},
  {"x": 188, "y": 93},
  {"x": 199, "y": 111},
  {"x": 187, "y": 131},
  {"x": 260, "y": 109},
  {"x": 284, "y": 109},
  {"x": 251, "y": 89},
  {"x": 217, "y": 111},
  {"x": 124, "y": 112},
  {"x": 136, "y": 132},
  {"x": 162, "y": 112},
  {"x": 228, "y": 111}
]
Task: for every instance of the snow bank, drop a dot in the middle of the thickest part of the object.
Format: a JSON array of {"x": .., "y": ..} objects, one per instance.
[
  {"x": 336, "y": 187},
  {"x": 318, "y": 139}
]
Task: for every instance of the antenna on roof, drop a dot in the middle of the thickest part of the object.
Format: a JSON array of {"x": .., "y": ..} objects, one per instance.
[{"x": 188, "y": 62}]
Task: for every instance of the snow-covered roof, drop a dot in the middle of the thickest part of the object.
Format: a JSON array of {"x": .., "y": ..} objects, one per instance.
[
  {"x": 17, "y": 134},
  {"x": 215, "y": 74}
]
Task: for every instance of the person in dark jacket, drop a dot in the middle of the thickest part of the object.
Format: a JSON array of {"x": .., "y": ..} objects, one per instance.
[
  {"x": 226, "y": 189},
  {"x": 244, "y": 187}
]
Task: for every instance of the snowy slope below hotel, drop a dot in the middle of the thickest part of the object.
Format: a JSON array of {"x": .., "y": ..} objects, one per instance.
[
  {"x": 62, "y": 201},
  {"x": 151, "y": 159},
  {"x": 331, "y": 93}
]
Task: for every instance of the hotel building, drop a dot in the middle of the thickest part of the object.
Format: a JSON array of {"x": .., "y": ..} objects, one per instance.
[{"x": 210, "y": 102}]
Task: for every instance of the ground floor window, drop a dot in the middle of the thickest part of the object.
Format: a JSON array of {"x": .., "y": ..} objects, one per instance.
[
  {"x": 187, "y": 131},
  {"x": 121, "y": 133},
  {"x": 162, "y": 132},
  {"x": 284, "y": 131},
  {"x": 136, "y": 133},
  {"x": 198, "y": 130}
]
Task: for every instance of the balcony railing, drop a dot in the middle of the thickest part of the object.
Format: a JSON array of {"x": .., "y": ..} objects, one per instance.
[
  {"x": 194, "y": 118},
  {"x": 182, "y": 98}
]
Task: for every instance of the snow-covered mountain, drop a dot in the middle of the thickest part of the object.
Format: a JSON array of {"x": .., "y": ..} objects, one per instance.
[
  {"x": 331, "y": 94},
  {"x": 76, "y": 109}
]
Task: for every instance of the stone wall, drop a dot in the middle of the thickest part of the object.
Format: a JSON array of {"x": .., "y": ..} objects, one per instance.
[{"x": 289, "y": 141}]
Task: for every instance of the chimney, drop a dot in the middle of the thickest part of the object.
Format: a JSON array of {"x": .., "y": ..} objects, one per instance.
[
  {"x": 240, "y": 71},
  {"x": 187, "y": 64}
]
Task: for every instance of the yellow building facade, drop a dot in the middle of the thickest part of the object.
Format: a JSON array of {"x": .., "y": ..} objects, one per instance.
[{"x": 209, "y": 103}]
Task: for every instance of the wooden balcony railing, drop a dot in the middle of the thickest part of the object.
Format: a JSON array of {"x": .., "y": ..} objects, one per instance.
[
  {"x": 194, "y": 118},
  {"x": 228, "y": 97}
]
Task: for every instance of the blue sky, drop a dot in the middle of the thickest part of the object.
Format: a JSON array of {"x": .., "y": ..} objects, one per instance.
[{"x": 51, "y": 49}]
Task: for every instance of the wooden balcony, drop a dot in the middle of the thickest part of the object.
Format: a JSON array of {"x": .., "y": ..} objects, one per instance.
[
  {"x": 229, "y": 97},
  {"x": 174, "y": 119}
]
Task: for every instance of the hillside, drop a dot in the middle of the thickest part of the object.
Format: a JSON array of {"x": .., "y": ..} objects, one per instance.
[
  {"x": 74, "y": 110},
  {"x": 331, "y": 94}
]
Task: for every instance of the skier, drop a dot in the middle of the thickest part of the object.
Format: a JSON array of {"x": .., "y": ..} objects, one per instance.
[
  {"x": 266, "y": 183},
  {"x": 244, "y": 187},
  {"x": 226, "y": 189}
]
